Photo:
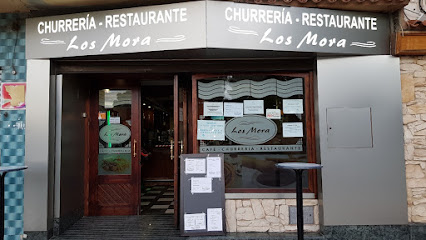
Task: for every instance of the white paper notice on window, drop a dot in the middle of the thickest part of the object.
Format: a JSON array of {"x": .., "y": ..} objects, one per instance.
[
  {"x": 213, "y": 109},
  {"x": 214, "y": 167},
  {"x": 201, "y": 185},
  {"x": 214, "y": 220},
  {"x": 114, "y": 120},
  {"x": 233, "y": 109},
  {"x": 253, "y": 107},
  {"x": 194, "y": 221},
  {"x": 292, "y": 129},
  {"x": 273, "y": 113},
  {"x": 210, "y": 130},
  {"x": 195, "y": 166},
  {"x": 180, "y": 114},
  {"x": 292, "y": 106}
]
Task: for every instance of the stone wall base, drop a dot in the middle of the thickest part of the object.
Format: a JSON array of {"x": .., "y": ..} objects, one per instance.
[{"x": 266, "y": 215}]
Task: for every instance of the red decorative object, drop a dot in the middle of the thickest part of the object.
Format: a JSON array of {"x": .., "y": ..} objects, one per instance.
[{"x": 416, "y": 25}]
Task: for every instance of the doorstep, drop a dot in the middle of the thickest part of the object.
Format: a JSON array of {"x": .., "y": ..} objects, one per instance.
[{"x": 261, "y": 236}]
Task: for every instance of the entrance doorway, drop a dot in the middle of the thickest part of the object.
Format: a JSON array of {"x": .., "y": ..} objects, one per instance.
[
  {"x": 137, "y": 130},
  {"x": 156, "y": 147},
  {"x": 114, "y": 161}
]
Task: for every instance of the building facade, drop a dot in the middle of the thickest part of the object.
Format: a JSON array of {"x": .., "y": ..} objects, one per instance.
[{"x": 345, "y": 113}]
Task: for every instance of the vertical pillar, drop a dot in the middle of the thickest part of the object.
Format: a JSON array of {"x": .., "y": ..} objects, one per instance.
[{"x": 36, "y": 178}]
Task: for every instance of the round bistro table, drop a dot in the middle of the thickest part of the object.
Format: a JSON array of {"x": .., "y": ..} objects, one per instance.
[
  {"x": 298, "y": 167},
  {"x": 3, "y": 172}
]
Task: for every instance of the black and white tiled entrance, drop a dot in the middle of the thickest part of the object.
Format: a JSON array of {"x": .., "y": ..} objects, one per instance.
[{"x": 157, "y": 200}]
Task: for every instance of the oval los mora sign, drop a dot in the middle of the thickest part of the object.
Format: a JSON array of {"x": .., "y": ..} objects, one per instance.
[
  {"x": 250, "y": 130},
  {"x": 115, "y": 133}
]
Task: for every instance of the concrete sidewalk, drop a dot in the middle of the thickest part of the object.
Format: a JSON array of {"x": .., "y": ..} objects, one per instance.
[{"x": 155, "y": 227}]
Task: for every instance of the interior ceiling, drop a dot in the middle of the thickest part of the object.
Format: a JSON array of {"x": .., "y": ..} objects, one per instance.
[{"x": 49, "y": 7}]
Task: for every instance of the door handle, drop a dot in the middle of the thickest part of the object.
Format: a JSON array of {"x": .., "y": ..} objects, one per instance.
[
  {"x": 172, "y": 154},
  {"x": 181, "y": 146},
  {"x": 134, "y": 148}
]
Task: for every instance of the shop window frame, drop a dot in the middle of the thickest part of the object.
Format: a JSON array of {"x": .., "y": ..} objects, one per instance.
[{"x": 310, "y": 126}]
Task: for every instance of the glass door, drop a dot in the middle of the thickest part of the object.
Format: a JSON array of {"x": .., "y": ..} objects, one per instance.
[
  {"x": 114, "y": 161},
  {"x": 115, "y": 123}
]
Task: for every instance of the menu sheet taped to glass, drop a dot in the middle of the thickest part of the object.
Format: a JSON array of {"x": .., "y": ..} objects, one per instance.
[{"x": 202, "y": 195}]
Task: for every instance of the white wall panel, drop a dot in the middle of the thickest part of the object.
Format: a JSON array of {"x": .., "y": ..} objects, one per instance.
[{"x": 363, "y": 186}]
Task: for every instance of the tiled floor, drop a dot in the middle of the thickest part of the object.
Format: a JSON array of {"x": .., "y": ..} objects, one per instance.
[{"x": 157, "y": 200}]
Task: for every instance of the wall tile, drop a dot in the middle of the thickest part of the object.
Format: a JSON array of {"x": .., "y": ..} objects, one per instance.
[{"x": 12, "y": 124}]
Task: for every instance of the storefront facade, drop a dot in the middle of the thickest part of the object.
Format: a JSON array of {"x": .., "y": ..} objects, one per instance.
[{"x": 292, "y": 71}]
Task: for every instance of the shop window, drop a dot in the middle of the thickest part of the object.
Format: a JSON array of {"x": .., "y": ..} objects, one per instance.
[{"x": 257, "y": 121}]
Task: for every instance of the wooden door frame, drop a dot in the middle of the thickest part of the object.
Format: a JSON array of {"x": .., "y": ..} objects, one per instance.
[
  {"x": 177, "y": 130},
  {"x": 92, "y": 147},
  {"x": 175, "y": 147}
]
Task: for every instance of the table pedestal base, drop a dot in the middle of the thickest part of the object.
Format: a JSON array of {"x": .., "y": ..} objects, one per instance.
[
  {"x": 298, "y": 168},
  {"x": 299, "y": 203}
]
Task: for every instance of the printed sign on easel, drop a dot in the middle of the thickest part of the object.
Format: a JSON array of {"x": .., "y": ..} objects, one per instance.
[{"x": 202, "y": 195}]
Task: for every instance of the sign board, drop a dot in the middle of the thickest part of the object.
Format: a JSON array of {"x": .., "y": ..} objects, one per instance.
[
  {"x": 115, "y": 133},
  {"x": 129, "y": 30},
  {"x": 252, "y": 129},
  {"x": 202, "y": 194},
  {"x": 292, "y": 129},
  {"x": 207, "y": 24},
  {"x": 251, "y": 148},
  {"x": 273, "y": 113},
  {"x": 233, "y": 109},
  {"x": 261, "y": 27},
  {"x": 210, "y": 130},
  {"x": 12, "y": 95},
  {"x": 293, "y": 106},
  {"x": 213, "y": 109}
]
